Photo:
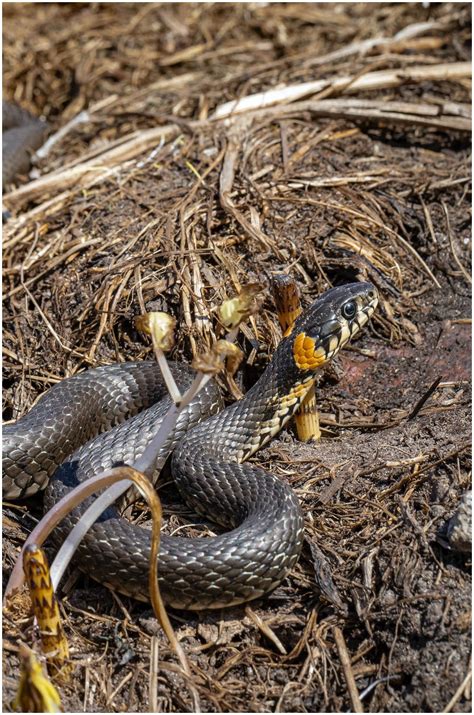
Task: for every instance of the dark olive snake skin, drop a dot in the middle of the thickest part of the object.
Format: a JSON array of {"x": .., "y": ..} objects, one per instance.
[
  {"x": 209, "y": 450},
  {"x": 21, "y": 135}
]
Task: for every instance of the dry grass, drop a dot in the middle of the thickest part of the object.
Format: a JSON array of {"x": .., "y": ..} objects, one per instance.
[{"x": 152, "y": 204}]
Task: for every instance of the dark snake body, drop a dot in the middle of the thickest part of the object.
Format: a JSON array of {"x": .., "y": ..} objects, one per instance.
[
  {"x": 22, "y": 134},
  {"x": 262, "y": 512}
]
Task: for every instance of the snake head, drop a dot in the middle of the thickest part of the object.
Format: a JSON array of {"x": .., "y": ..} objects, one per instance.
[{"x": 333, "y": 319}]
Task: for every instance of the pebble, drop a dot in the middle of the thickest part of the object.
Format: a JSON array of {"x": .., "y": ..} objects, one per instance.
[{"x": 460, "y": 525}]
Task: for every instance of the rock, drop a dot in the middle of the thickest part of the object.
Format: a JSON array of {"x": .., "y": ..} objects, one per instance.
[{"x": 460, "y": 525}]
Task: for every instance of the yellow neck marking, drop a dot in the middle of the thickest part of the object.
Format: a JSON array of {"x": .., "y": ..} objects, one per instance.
[{"x": 305, "y": 354}]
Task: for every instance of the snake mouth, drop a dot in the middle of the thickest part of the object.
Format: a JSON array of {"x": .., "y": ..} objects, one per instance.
[
  {"x": 363, "y": 316},
  {"x": 348, "y": 328}
]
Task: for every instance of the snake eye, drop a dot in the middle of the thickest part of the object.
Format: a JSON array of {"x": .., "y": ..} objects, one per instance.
[{"x": 349, "y": 309}]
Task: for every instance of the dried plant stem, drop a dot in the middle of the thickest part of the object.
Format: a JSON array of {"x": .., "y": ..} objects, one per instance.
[
  {"x": 103, "y": 165},
  {"x": 459, "y": 691},
  {"x": 80, "y": 118},
  {"x": 145, "y": 464},
  {"x": 148, "y": 462},
  {"x": 97, "y": 169},
  {"x": 345, "y": 659},
  {"x": 57, "y": 513},
  {"x": 382, "y": 79},
  {"x": 63, "y": 507},
  {"x": 361, "y": 48},
  {"x": 449, "y": 116},
  {"x": 451, "y": 243},
  {"x": 153, "y": 679}
]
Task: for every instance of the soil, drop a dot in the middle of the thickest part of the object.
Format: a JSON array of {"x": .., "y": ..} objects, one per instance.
[{"x": 328, "y": 200}]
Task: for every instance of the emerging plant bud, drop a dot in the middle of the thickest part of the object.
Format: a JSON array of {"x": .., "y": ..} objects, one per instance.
[
  {"x": 36, "y": 694},
  {"x": 223, "y": 354},
  {"x": 45, "y": 607},
  {"x": 160, "y": 326},
  {"x": 234, "y": 311},
  {"x": 231, "y": 354}
]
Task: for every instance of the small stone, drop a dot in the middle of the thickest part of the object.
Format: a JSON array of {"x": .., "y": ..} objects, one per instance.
[{"x": 460, "y": 525}]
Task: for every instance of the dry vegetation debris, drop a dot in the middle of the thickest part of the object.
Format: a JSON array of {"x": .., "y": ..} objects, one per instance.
[{"x": 151, "y": 203}]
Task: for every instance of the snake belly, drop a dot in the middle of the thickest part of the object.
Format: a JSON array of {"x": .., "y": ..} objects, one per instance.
[{"x": 210, "y": 447}]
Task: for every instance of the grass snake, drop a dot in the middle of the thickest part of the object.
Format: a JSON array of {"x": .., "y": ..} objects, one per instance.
[{"x": 113, "y": 411}]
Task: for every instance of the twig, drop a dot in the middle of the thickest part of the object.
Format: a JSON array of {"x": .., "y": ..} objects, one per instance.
[
  {"x": 382, "y": 79},
  {"x": 428, "y": 115},
  {"x": 458, "y": 693},
  {"x": 424, "y": 398},
  {"x": 48, "y": 324},
  {"x": 80, "y": 118},
  {"x": 226, "y": 180},
  {"x": 373, "y": 685},
  {"x": 265, "y": 629},
  {"x": 101, "y": 166},
  {"x": 345, "y": 659},
  {"x": 361, "y": 48},
  {"x": 364, "y": 217},
  {"x": 96, "y": 169},
  {"x": 153, "y": 681}
]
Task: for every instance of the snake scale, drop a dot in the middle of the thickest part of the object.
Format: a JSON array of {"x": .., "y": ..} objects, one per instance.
[{"x": 210, "y": 447}]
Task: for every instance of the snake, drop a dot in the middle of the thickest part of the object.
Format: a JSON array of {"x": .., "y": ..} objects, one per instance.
[
  {"x": 22, "y": 134},
  {"x": 106, "y": 416}
]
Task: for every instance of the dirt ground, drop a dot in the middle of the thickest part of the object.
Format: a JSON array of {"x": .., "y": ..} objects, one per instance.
[{"x": 122, "y": 216}]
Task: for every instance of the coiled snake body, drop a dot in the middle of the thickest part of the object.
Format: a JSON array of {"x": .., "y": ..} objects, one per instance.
[{"x": 209, "y": 452}]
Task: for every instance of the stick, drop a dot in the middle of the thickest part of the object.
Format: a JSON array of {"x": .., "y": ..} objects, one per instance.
[
  {"x": 458, "y": 693},
  {"x": 372, "y": 80},
  {"x": 451, "y": 243},
  {"x": 446, "y": 116},
  {"x": 424, "y": 398},
  {"x": 347, "y": 669}
]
